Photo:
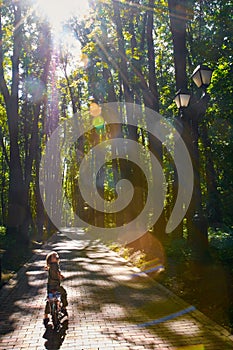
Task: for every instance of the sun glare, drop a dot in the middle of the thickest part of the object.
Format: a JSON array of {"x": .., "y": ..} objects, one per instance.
[{"x": 59, "y": 11}]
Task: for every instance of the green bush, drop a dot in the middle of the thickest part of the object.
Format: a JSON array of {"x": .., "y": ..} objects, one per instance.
[
  {"x": 6, "y": 241},
  {"x": 178, "y": 249},
  {"x": 222, "y": 240},
  {"x": 2, "y": 237},
  {"x": 2, "y": 230}
]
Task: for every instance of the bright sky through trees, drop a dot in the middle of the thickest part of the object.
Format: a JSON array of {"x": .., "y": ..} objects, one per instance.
[{"x": 59, "y": 11}]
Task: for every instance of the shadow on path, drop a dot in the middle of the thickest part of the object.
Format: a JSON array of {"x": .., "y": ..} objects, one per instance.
[
  {"x": 55, "y": 338},
  {"x": 18, "y": 296}
]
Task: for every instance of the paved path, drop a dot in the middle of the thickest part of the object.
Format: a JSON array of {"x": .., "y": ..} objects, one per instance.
[{"x": 109, "y": 307}]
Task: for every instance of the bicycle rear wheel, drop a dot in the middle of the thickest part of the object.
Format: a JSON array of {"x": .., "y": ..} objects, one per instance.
[{"x": 55, "y": 315}]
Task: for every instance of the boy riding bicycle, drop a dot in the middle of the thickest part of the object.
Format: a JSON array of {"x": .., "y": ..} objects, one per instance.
[{"x": 54, "y": 283}]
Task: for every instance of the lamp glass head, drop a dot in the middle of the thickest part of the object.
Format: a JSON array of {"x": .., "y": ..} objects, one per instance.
[
  {"x": 182, "y": 98},
  {"x": 202, "y": 76}
]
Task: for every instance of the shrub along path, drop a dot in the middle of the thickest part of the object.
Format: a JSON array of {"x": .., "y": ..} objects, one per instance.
[{"x": 111, "y": 306}]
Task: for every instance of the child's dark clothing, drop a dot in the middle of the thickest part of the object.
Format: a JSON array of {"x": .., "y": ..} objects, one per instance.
[
  {"x": 54, "y": 285},
  {"x": 54, "y": 276}
]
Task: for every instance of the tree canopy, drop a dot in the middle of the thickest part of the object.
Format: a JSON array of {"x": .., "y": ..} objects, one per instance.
[{"x": 137, "y": 52}]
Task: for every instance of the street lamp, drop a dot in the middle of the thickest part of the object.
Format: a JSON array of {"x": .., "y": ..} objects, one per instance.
[
  {"x": 182, "y": 98},
  {"x": 191, "y": 114},
  {"x": 202, "y": 76}
]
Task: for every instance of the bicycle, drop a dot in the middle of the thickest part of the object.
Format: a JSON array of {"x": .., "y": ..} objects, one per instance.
[{"x": 54, "y": 300}]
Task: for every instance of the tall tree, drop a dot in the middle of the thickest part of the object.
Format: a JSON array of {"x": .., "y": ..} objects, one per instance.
[{"x": 21, "y": 162}]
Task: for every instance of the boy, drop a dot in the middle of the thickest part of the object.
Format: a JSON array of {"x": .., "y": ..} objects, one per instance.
[{"x": 54, "y": 281}]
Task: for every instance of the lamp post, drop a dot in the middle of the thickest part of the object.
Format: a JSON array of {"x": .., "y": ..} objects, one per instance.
[{"x": 191, "y": 112}]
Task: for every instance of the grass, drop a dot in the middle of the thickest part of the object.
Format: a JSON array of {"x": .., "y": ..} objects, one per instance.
[{"x": 6, "y": 276}]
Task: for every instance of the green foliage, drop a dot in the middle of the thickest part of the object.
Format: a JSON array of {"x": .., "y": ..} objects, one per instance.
[
  {"x": 178, "y": 250},
  {"x": 209, "y": 41},
  {"x": 2, "y": 230},
  {"x": 222, "y": 240}
]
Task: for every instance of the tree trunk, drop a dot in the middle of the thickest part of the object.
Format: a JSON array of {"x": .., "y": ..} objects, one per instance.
[
  {"x": 17, "y": 202},
  {"x": 123, "y": 70},
  {"x": 214, "y": 213},
  {"x": 17, "y": 206},
  {"x": 196, "y": 222},
  {"x": 178, "y": 22},
  {"x": 151, "y": 59},
  {"x": 152, "y": 101},
  {"x": 71, "y": 92},
  {"x": 107, "y": 76}
]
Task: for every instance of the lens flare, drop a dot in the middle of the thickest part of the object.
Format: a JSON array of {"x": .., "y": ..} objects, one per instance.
[
  {"x": 117, "y": 149},
  {"x": 95, "y": 110},
  {"x": 98, "y": 122}
]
